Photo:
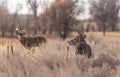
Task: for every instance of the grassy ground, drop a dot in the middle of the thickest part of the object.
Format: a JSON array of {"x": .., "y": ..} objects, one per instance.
[
  {"x": 53, "y": 60},
  {"x": 108, "y": 34}
]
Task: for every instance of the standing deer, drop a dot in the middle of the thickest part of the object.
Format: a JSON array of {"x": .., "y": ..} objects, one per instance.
[
  {"x": 82, "y": 47},
  {"x": 29, "y": 41}
]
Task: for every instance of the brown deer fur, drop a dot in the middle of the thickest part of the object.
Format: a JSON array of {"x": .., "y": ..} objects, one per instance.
[
  {"x": 29, "y": 41},
  {"x": 82, "y": 47}
]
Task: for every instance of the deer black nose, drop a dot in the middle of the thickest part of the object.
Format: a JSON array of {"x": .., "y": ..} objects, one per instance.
[{"x": 69, "y": 42}]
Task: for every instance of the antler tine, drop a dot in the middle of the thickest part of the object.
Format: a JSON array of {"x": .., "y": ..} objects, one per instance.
[
  {"x": 19, "y": 31},
  {"x": 17, "y": 27},
  {"x": 76, "y": 30}
]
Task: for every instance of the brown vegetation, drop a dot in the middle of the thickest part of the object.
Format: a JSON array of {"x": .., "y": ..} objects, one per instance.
[
  {"x": 49, "y": 60},
  {"x": 60, "y": 16},
  {"x": 54, "y": 59},
  {"x": 105, "y": 13}
]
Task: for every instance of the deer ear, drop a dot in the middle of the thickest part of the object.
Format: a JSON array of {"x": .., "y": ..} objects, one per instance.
[
  {"x": 24, "y": 32},
  {"x": 80, "y": 34},
  {"x": 84, "y": 36}
]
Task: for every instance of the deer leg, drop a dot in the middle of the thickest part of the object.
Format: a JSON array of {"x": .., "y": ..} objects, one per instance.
[{"x": 28, "y": 44}]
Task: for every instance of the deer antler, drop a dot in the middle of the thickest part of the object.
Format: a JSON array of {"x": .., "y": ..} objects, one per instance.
[
  {"x": 17, "y": 27},
  {"x": 76, "y": 30},
  {"x": 19, "y": 31}
]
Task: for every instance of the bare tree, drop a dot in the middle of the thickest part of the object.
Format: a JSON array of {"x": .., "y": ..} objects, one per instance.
[
  {"x": 34, "y": 5},
  {"x": 105, "y": 12},
  {"x": 61, "y": 15},
  {"x": 14, "y": 19},
  {"x": 4, "y": 15}
]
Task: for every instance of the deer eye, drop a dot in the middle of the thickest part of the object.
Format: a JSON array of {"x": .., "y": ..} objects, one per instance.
[
  {"x": 84, "y": 36},
  {"x": 75, "y": 39}
]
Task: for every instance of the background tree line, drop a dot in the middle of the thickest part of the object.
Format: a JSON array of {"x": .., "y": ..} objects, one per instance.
[{"x": 58, "y": 16}]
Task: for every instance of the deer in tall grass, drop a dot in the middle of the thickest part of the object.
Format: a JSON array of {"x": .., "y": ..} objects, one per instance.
[
  {"x": 82, "y": 47},
  {"x": 29, "y": 41}
]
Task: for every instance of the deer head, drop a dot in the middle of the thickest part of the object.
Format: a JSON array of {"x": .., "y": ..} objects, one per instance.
[
  {"x": 19, "y": 32},
  {"x": 80, "y": 38}
]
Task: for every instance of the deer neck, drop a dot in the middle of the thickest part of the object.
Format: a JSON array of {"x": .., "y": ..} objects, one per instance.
[
  {"x": 83, "y": 41},
  {"x": 21, "y": 37}
]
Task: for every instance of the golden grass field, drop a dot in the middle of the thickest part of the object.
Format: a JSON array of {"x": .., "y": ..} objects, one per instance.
[
  {"x": 108, "y": 34},
  {"x": 53, "y": 60}
]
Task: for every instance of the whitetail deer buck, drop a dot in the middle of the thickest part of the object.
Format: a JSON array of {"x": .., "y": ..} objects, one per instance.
[
  {"x": 29, "y": 41},
  {"x": 82, "y": 47}
]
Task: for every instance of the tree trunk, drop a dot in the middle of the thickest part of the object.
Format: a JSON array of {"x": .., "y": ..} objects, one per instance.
[
  {"x": 65, "y": 31},
  {"x": 113, "y": 27},
  {"x": 104, "y": 29},
  {"x": 35, "y": 30},
  {"x": 12, "y": 34},
  {"x": 44, "y": 31},
  {"x": 3, "y": 34},
  {"x": 28, "y": 31}
]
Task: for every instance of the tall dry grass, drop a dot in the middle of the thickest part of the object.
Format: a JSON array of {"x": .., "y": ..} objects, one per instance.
[{"x": 50, "y": 60}]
